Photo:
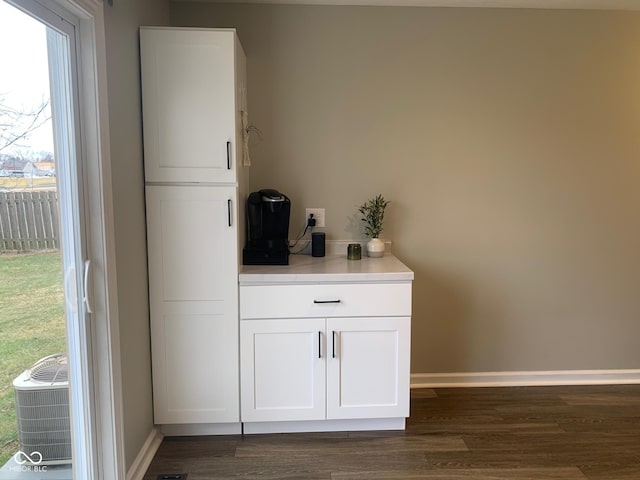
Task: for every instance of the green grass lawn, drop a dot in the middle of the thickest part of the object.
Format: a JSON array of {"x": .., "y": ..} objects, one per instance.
[{"x": 32, "y": 326}]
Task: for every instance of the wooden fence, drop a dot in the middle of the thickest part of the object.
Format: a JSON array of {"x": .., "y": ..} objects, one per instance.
[{"x": 29, "y": 220}]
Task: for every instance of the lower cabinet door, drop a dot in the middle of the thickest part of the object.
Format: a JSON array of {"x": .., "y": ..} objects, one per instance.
[
  {"x": 193, "y": 300},
  {"x": 195, "y": 365},
  {"x": 283, "y": 369},
  {"x": 368, "y": 367}
]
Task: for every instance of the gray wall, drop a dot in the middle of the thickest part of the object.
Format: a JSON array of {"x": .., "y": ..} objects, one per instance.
[
  {"x": 122, "y": 22},
  {"x": 508, "y": 142}
]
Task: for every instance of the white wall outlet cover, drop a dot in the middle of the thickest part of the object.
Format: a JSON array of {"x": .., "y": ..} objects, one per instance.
[{"x": 318, "y": 214}]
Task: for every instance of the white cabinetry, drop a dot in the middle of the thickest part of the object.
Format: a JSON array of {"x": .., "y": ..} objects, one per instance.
[
  {"x": 283, "y": 369},
  {"x": 368, "y": 367},
  {"x": 193, "y": 96},
  {"x": 192, "y": 253},
  {"x": 323, "y": 353},
  {"x": 194, "y": 90}
]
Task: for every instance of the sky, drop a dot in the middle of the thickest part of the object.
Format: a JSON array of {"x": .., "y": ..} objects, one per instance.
[{"x": 24, "y": 74}]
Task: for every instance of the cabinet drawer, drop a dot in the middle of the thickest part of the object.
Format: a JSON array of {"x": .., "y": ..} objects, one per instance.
[{"x": 327, "y": 300}]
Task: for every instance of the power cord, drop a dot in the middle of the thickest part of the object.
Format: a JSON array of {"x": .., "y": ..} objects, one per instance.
[{"x": 311, "y": 223}]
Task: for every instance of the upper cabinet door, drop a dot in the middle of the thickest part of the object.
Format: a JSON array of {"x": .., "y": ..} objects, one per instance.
[{"x": 191, "y": 105}]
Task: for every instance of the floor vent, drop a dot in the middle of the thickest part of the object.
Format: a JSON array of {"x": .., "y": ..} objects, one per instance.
[{"x": 172, "y": 476}]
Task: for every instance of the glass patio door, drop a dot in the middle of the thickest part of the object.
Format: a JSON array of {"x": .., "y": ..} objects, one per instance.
[
  {"x": 73, "y": 242},
  {"x": 76, "y": 266}
]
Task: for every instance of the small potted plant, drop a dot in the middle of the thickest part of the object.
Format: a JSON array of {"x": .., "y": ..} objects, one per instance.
[{"x": 373, "y": 215}]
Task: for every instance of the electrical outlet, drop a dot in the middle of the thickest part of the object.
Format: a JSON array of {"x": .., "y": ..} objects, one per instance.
[{"x": 318, "y": 214}]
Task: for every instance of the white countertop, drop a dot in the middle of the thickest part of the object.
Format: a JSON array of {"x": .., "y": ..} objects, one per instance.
[{"x": 329, "y": 269}]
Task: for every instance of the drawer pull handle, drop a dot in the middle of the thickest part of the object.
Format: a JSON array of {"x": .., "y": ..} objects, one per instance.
[
  {"x": 228, "y": 155},
  {"x": 327, "y": 301},
  {"x": 333, "y": 345},
  {"x": 319, "y": 344}
]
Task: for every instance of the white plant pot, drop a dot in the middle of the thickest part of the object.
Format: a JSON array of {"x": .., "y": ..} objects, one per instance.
[{"x": 375, "y": 248}]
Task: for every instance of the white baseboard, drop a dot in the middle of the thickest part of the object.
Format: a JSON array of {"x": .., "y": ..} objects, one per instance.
[
  {"x": 339, "y": 247},
  {"x": 354, "y": 425},
  {"x": 191, "y": 429},
  {"x": 513, "y": 379},
  {"x": 145, "y": 455}
]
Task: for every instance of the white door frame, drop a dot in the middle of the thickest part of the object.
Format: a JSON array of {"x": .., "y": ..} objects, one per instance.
[
  {"x": 106, "y": 400},
  {"x": 96, "y": 151}
]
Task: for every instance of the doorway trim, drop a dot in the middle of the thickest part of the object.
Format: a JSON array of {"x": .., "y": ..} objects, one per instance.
[
  {"x": 95, "y": 140},
  {"x": 94, "y": 150}
]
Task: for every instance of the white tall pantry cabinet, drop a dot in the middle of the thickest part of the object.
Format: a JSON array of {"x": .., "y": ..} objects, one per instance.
[{"x": 193, "y": 100}]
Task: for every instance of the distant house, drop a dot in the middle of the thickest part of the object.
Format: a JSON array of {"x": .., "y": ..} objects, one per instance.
[
  {"x": 13, "y": 166},
  {"x": 44, "y": 169},
  {"x": 19, "y": 167},
  {"x": 29, "y": 170}
]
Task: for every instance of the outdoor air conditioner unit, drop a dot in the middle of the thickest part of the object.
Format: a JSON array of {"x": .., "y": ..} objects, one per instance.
[{"x": 42, "y": 410}]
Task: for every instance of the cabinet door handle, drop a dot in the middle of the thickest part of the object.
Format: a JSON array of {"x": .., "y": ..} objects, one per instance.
[
  {"x": 327, "y": 301},
  {"x": 228, "y": 155},
  {"x": 319, "y": 344},
  {"x": 333, "y": 344},
  {"x": 229, "y": 210}
]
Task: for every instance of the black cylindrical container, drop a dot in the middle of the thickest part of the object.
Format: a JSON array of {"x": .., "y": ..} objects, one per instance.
[{"x": 317, "y": 244}]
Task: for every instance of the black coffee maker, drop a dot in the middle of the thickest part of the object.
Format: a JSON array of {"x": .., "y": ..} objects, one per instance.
[{"x": 267, "y": 229}]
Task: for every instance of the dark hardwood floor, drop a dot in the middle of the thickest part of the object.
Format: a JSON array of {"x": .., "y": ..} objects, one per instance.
[{"x": 514, "y": 433}]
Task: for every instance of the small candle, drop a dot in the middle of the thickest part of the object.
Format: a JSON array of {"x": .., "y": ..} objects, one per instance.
[{"x": 354, "y": 251}]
